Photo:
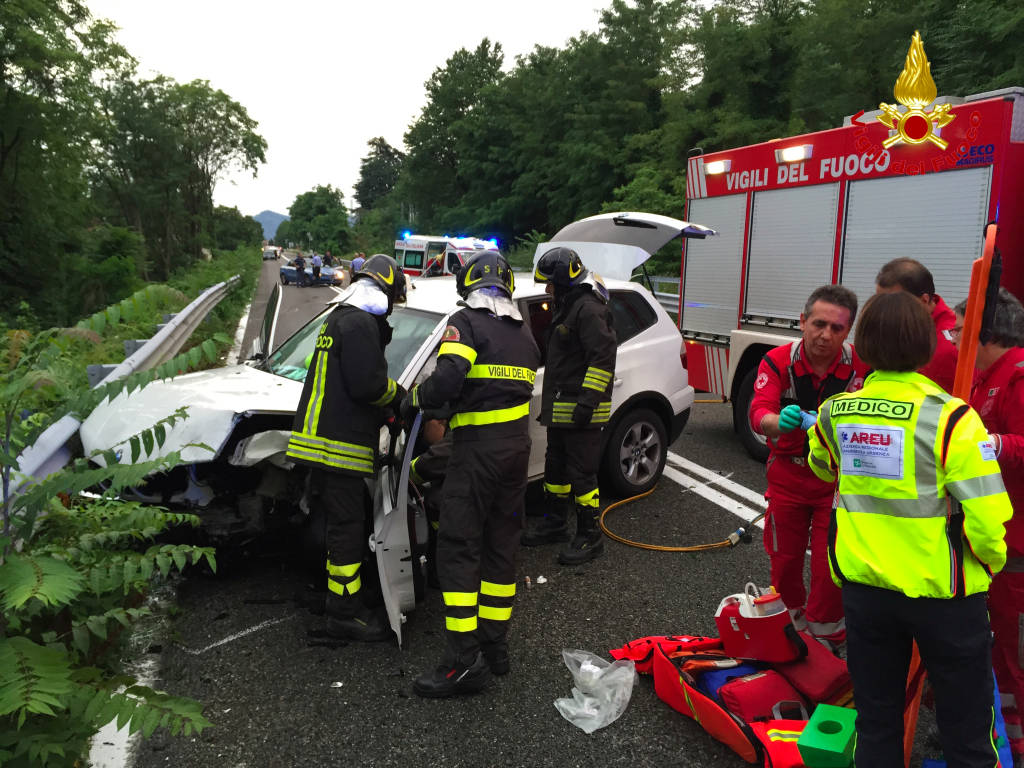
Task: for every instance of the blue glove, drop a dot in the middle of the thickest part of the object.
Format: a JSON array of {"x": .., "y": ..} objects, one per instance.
[
  {"x": 808, "y": 419},
  {"x": 789, "y": 418}
]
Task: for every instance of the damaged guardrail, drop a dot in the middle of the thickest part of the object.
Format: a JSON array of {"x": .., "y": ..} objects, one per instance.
[{"x": 54, "y": 448}]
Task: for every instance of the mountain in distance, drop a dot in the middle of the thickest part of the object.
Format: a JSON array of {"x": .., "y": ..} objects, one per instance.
[{"x": 270, "y": 220}]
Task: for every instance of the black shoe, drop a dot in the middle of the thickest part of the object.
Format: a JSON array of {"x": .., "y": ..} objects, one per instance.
[
  {"x": 497, "y": 659},
  {"x": 547, "y": 531},
  {"x": 448, "y": 680},
  {"x": 366, "y": 626},
  {"x": 582, "y": 549}
]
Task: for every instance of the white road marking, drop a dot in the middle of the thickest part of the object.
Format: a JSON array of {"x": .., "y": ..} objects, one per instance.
[
  {"x": 715, "y": 497},
  {"x": 716, "y": 479},
  {"x": 237, "y": 635}
]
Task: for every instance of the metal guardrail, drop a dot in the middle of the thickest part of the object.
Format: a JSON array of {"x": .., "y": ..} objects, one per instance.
[{"x": 53, "y": 449}]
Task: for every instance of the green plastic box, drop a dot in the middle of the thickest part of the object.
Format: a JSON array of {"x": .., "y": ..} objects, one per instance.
[{"x": 829, "y": 738}]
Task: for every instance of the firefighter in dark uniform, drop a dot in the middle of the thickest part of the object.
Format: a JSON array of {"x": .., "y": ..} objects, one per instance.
[
  {"x": 336, "y": 433},
  {"x": 486, "y": 366},
  {"x": 579, "y": 369}
]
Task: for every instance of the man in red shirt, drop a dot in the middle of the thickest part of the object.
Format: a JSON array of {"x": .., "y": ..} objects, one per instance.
[
  {"x": 998, "y": 396},
  {"x": 914, "y": 278},
  {"x": 792, "y": 378}
]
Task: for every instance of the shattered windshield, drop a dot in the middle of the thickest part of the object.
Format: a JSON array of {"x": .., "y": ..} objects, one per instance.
[{"x": 411, "y": 329}]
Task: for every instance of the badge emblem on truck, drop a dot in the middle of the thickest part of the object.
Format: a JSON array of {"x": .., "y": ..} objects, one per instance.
[{"x": 915, "y": 90}]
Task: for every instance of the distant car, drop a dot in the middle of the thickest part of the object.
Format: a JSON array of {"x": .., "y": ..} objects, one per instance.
[
  {"x": 270, "y": 253},
  {"x": 328, "y": 275}
]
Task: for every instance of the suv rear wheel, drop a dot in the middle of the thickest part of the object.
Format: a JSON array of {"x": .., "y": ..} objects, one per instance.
[
  {"x": 754, "y": 442},
  {"x": 635, "y": 453}
]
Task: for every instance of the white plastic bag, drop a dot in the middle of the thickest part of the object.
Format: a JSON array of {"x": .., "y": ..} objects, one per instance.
[{"x": 601, "y": 692}]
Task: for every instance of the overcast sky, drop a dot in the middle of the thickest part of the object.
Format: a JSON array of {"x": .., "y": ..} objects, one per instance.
[{"x": 353, "y": 69}]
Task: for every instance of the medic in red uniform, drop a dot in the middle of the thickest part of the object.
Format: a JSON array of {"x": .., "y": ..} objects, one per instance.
[
  {"x": 914, "y": 278},
  {"x": 793, "y": 378},
  {"x": 998, "y": 396}
]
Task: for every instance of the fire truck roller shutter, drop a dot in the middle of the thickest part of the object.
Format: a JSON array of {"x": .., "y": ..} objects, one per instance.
[
  {"x": 936, "y": 218},
  {"x": 792, "y": 243},
  {"x": 712, "y": 280}
]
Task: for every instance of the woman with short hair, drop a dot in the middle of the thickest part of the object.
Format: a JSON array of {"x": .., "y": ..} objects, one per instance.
[{"x": 916, "y": 534}]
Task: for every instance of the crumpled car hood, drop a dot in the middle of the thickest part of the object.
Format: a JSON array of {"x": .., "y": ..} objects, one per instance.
[{"x": 215, "y": 400}]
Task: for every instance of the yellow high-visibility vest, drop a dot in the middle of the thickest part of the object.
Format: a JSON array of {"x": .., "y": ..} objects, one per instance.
[{"x": 920, "y": 504}]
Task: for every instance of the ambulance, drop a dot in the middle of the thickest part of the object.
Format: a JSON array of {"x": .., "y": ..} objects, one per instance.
[
  {"x": 433, "y": 256},
  {"x": 920, "y": 179}
]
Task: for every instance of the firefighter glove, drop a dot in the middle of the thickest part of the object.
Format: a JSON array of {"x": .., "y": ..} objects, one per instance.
[
  {"x": 410, "y": 404},
  {"x": 789, "y": 418},
  {"x": 808, "y": 419},
  {"x": 582, "y": 414}
]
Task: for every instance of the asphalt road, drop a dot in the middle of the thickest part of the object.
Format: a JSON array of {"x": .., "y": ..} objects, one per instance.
[{"x": 238, "y": 642}]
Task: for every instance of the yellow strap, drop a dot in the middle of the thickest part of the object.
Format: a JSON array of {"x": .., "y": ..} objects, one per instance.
[
  {"x": 497, "y": 590},
  {"x": 459, "y": 350},
  {"x": 389, "y": 393},
  {"x": 459, "y": 598},
  {"x": 510, "y": 372},
  {"x": 453, "y": 624},
  {"x": 497, "y": 416},
  {"x": 343, "y": 570},
  {"x": 495, "y": 614}
]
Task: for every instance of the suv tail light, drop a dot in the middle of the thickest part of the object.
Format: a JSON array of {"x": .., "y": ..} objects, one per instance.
[{"x": 682, "y": 354}]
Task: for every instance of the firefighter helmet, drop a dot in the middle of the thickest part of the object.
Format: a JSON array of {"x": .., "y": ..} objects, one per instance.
[
  {"x": 384, "y": 271},
  {"x": 560, "y": 266},
  {"x": 485, "y": 269}
]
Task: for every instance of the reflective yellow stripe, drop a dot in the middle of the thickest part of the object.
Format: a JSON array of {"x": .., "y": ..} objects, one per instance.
[
  {"x": 459, "y": 598},
  {"x": 495, "y": 614},
  {"x": 512, "y": 372},
  {"x": 350, "y": 586},
  {"x": 333, "y": 446},
  {"x": 557, "y": 490},
  {"x": 460, "y": 350},
  {"x": 599, "y": 386},
  {"x": 497, "y": 590},
  {"x": 317, "y": 392},
  {"x": 389, "y": 393},
  {"x": 453, "y": 624},
  {"x": 343, "y": 570},
  {"x": 598, "y": 373},
  {"x": 331, "y": 460},
  {"x": 777, "y": 735},
  {"x": 497, "y": 416},
  {"x": 413, "y": 474},
  {"x": 592, "y": 499}
]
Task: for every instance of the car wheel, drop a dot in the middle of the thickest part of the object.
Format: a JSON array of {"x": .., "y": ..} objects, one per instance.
[
  {"x": 755, "y": 443},
  {"x": 635, "y": 453}
]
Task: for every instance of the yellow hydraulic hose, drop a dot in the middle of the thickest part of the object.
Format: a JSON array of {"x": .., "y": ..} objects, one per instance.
[{"x": 734, "y": 538}]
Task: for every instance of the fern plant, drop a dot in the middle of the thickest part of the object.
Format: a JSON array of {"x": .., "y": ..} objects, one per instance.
[{"x": 75, "y": 569}]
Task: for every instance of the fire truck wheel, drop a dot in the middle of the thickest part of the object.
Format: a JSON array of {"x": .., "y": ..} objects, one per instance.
[
  {"x": 755, "y": 443},
  {"x": 635, "y": 453}
]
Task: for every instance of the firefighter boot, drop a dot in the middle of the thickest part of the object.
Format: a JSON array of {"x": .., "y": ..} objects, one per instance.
[
  {"x": 588, "y": 543},
  {"x": 452, "y": 679},
  {"x": 552, "y": 528},
  {"x": 357, "y": 622}
]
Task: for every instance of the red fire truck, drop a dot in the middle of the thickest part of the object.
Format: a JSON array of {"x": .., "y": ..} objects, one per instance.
[{"x": 833, "y": 207}]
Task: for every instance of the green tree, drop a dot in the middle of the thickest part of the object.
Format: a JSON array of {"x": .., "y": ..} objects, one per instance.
[
  {"x": 318, "y": 219},
  {"x": 431, "y": 179},
  {"x": 232, "y": 230},
  {"x": 378, "y": 172},
  {"x": 50, "y": 53}
]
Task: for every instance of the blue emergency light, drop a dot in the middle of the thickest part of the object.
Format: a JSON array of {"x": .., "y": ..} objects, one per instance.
[{"x": 406, "y": 235}]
